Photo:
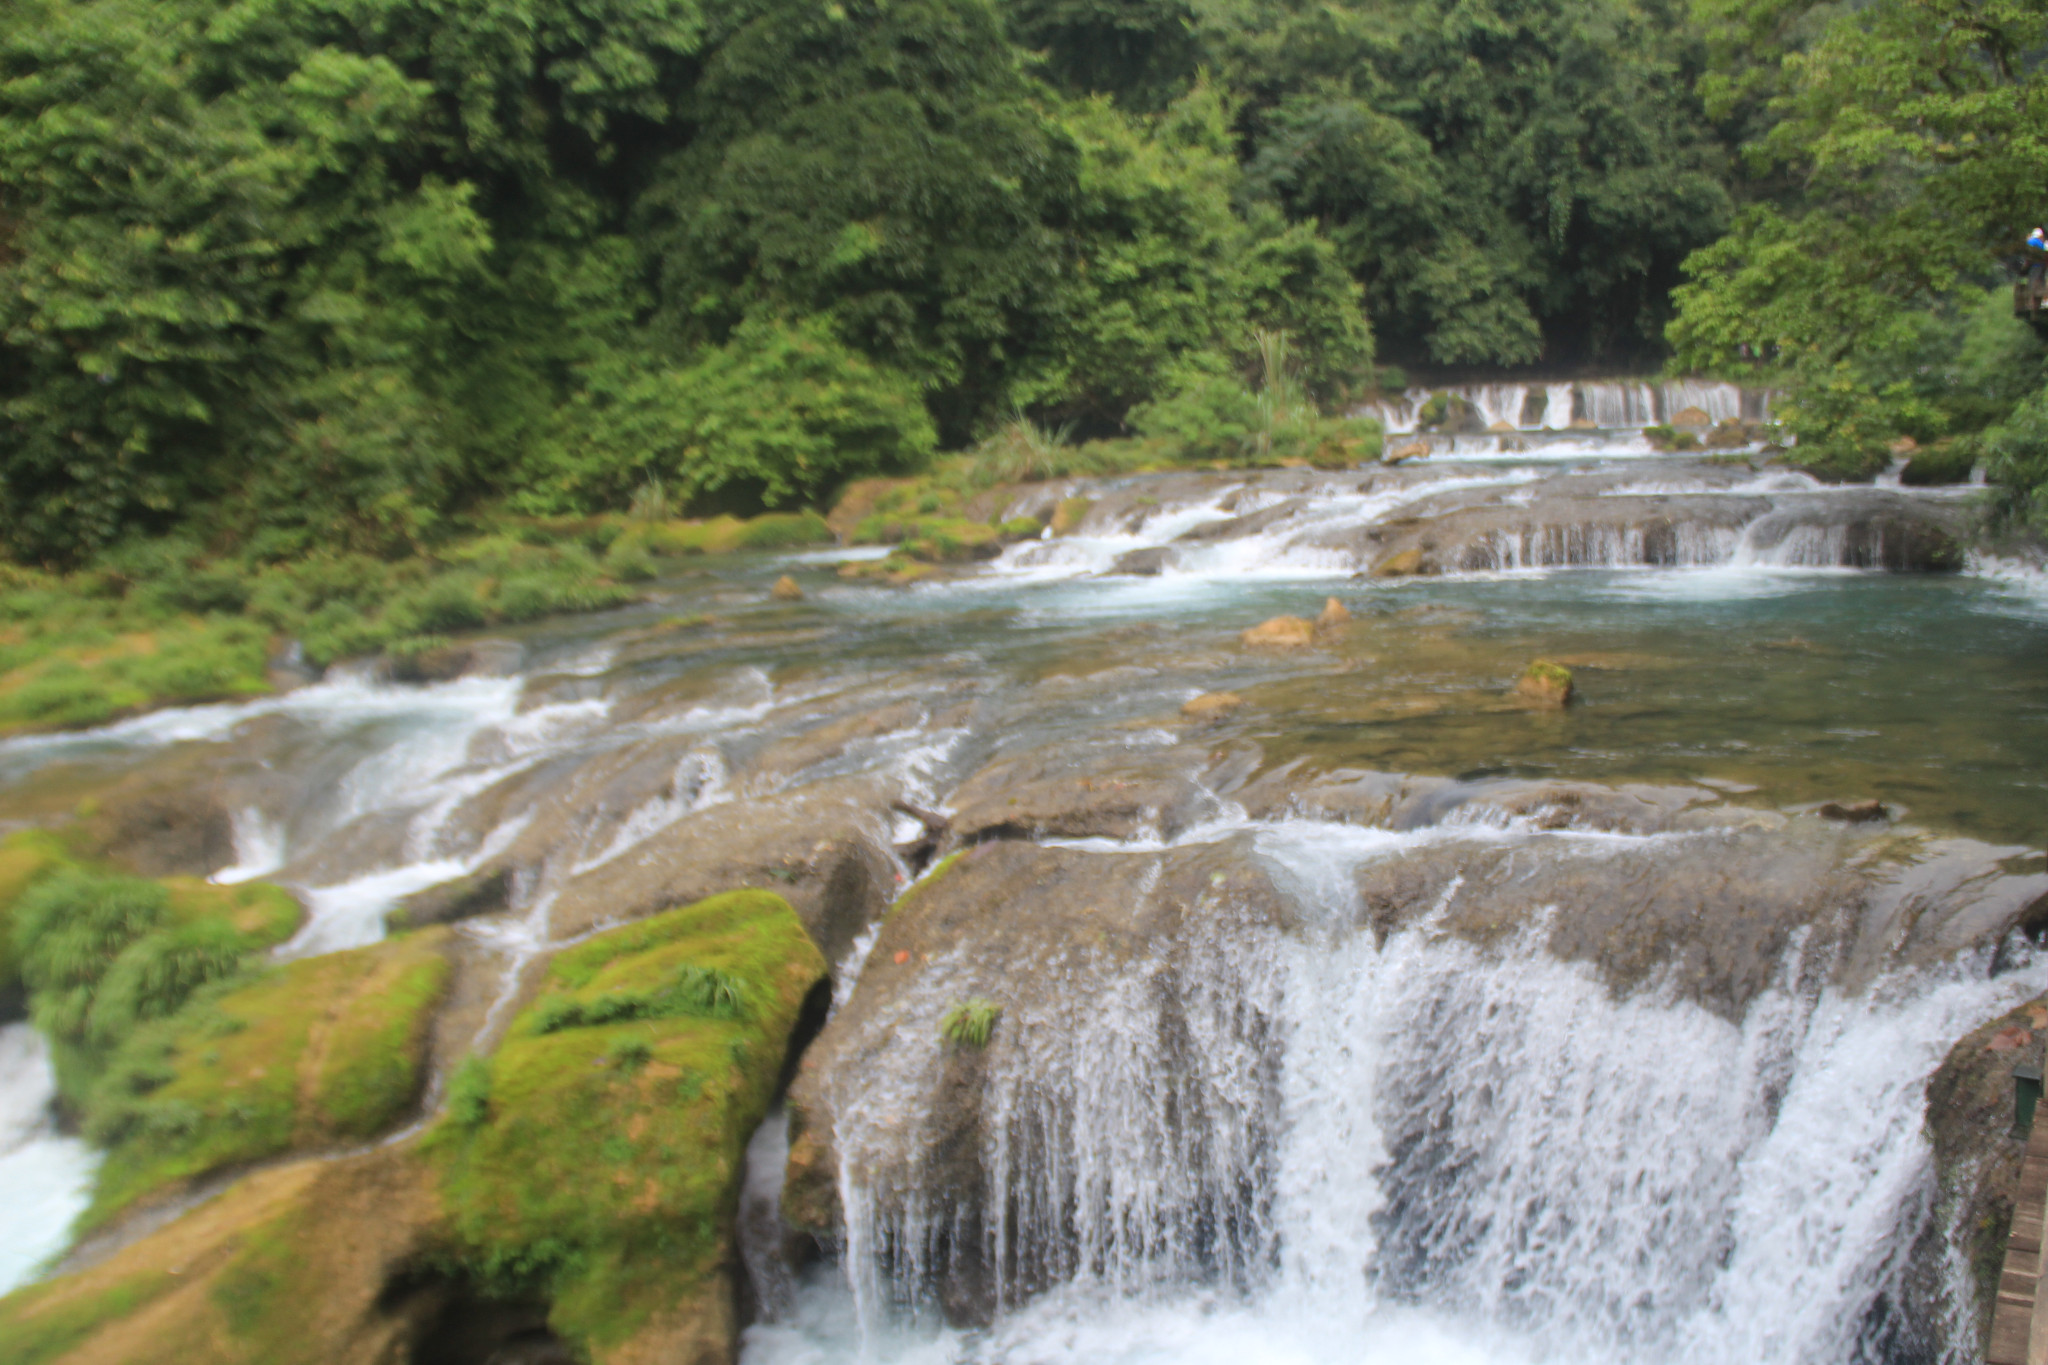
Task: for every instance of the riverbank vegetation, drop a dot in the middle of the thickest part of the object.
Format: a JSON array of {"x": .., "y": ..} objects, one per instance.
[
  {"x": 360, "y": 327},
  {"x": 1890, "y": 169}
]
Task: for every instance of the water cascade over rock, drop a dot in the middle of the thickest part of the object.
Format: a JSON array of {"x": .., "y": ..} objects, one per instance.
[{"x": 1603, "y": 404}]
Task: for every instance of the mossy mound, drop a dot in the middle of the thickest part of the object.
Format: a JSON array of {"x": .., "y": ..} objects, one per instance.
[
  {"x": 595, "y": 1159},
  {"x": 101, "y": 955},
  {"x": 941, "y": 539},
  {"x": 25, "y": 857},
  {"x": 320, "y": 1051}
]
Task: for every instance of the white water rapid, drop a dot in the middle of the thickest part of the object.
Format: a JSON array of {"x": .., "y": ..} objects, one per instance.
[
  {"x": 1602, "y": 404},
  {"x": 45, "y": 1177},
  {"x": 1313, "y": 1146}
]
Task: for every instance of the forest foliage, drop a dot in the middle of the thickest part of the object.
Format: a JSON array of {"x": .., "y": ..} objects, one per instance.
[{"x": 299, "y": 276}]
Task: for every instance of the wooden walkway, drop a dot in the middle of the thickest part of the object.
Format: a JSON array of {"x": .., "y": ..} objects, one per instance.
[{"x": 2019, "y": 1323}]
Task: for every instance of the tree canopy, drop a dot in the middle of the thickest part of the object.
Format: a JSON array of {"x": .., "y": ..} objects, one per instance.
[{"x": 295, "y": 273}]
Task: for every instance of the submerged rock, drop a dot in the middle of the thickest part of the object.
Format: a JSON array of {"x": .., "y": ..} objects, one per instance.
[
  {"x": 1400, "y": 564},
  {"x": 1062, "y": 793},
  {"x": 1281, "y": 632},
  {"x": 1211, "y": 705}
]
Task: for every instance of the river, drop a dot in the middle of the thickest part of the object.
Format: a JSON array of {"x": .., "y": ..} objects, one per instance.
[{"x": 1429, "y": 1143}]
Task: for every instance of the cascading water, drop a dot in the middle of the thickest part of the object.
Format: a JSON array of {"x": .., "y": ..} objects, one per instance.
[
  {"x": 1604, "y": 404},
  {"x": 46, "y": 1175},
  {"x": 1319, "y": 1144}
]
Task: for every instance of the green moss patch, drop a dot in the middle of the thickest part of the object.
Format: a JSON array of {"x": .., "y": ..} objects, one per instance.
[
  {"x": 26, "y": 856},
  {"x": 323, "y": 1050},
  {"x": 101, "y": 955},
  {"x": 596, "y": 1157}
]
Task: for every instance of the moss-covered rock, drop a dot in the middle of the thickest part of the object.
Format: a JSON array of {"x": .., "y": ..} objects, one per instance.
[
  {"x": 1068, "y": 514},
  {"x": 323, "y": 1050},
  {"x": 597, "y": 1157},
  {"x": 1545, "y": 684},
  {"x": 25, "y": 857},
  {"x": 100, "y": 955}
]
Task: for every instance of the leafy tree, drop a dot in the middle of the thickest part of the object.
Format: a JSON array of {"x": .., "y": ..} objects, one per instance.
[
  {"x": 884, "y": 166},
  {"x": 1912, "y": 130}
]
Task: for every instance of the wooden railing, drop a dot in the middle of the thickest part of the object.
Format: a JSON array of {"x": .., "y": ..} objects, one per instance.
[{"x": 2019, "y": 1334}]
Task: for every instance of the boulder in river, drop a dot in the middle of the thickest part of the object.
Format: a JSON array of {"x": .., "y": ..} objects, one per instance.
[
  {"x": 786, "y": 590},
  {"x": 1211, "y": 705},
  {"x": 823, "y": 846},
  {"x": 910, "y": 1120},
  {"x": 1691, "y": 417},
  {"x": 464, "y": 897},
  {"x": 1409, "y": 450},
  {"x": 1333, "y": 617},
  {"x": 1854, "y": 812},
  {"x": 1147, "y": 562},
  {"x": 1281, "y": 632},
  {"x": 1068, "y": 515},
  {"x": 1400, "y": 564},
  {"x": 1545, "y": 684}
]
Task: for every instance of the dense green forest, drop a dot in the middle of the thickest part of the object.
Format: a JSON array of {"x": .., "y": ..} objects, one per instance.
[{"x": 289, "y": 278}]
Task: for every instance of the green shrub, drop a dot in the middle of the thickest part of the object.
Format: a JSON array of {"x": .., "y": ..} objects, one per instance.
[{"x": 777, "y": 416}]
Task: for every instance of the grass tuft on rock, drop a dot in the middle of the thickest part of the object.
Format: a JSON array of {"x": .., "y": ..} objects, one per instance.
[
  {"x": 971, "y": 1022},
  {"x": 595, "y": 1159}
]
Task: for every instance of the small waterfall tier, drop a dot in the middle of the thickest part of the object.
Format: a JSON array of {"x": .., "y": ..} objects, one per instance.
[{"x": 1591, "y": 404}]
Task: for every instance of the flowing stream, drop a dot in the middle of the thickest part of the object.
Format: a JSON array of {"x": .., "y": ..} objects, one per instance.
[{"x": 1339, "y": 1117}]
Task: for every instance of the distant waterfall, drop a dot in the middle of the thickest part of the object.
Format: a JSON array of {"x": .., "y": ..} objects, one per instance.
[{"x": 1601, "y": 404}]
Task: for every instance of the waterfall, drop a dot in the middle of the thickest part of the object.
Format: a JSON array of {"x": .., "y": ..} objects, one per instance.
[
  {"x": 1605, "y": 404},
  {"x": 46, "y": 1176},
  {"x": 1348, "y": 1144}
]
